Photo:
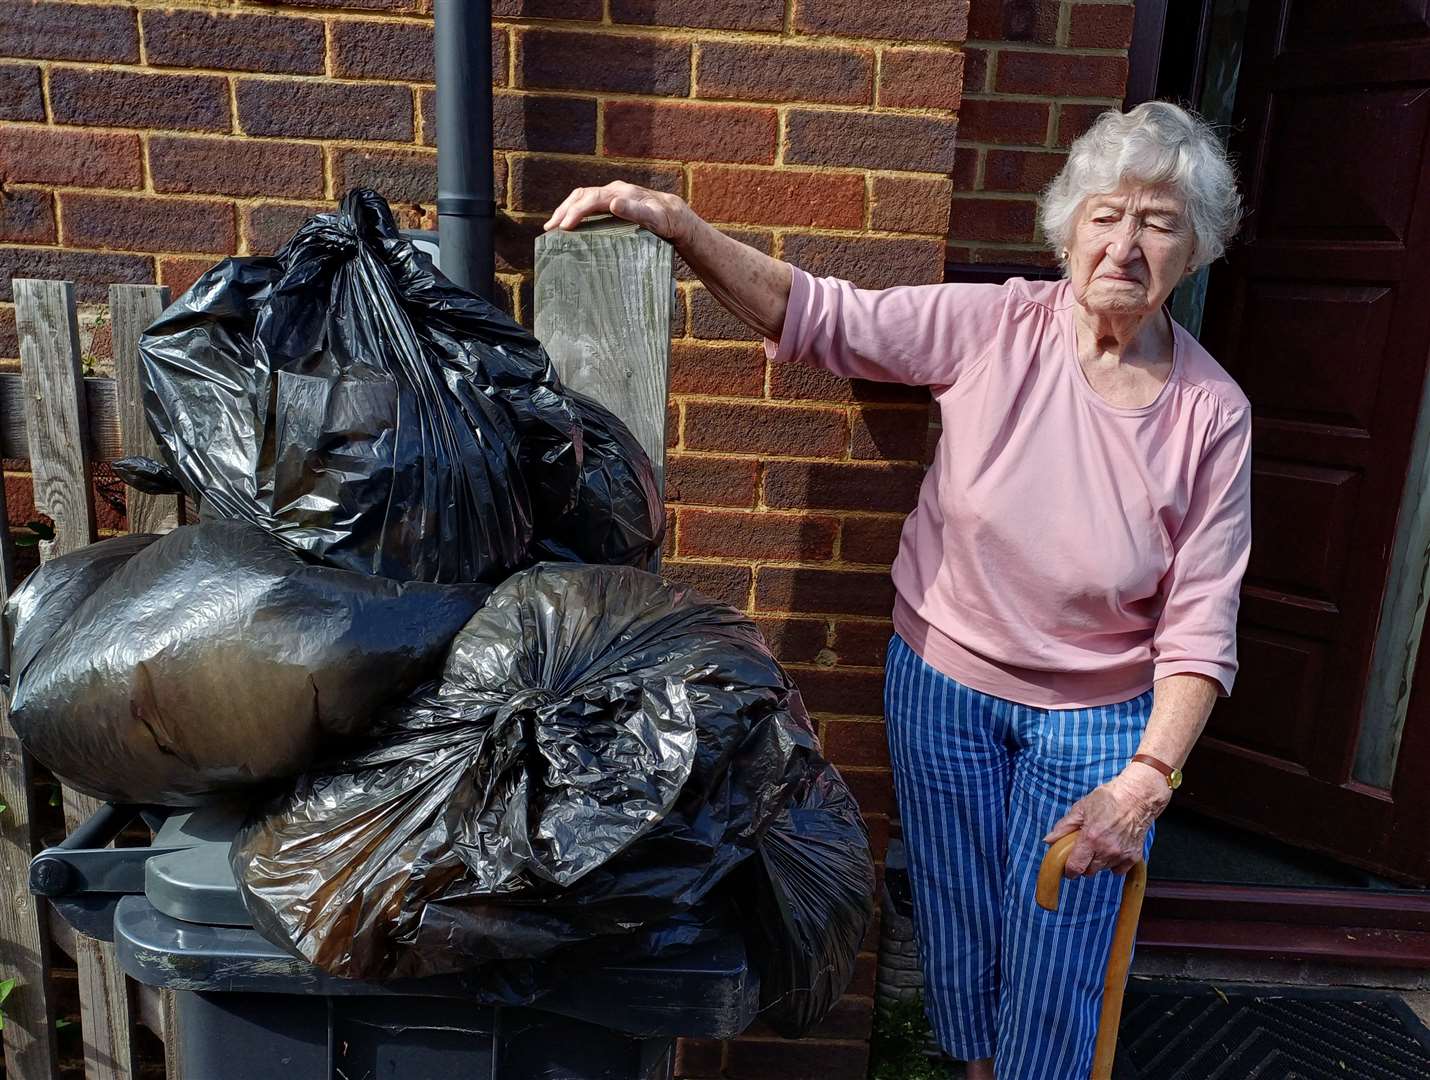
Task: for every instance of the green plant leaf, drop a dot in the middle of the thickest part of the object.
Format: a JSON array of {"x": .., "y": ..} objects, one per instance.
[
  {"x": 899, "y": 1048},
  {"x": 5, "y": 988}
]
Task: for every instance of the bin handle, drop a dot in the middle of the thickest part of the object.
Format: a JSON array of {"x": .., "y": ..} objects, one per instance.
[{"x": 1119, "y": 959}]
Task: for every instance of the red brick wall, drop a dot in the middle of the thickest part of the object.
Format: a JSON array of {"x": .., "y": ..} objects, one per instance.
[
  {"x": 142, "y": 141},
  {"x": 1036, "y": 73}
]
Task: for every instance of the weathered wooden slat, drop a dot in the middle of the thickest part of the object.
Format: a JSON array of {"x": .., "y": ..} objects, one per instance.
[
  {"x": 131, "y": 309},
  {"x": 169, "y": 1010},
  {"x": 101, "y": 405},
  {"x": 55, "y": 417},
  {"x": 55, "y": 414},
  {"x": 29, "y": 1010},
  {"x": 603, "y": 297}
]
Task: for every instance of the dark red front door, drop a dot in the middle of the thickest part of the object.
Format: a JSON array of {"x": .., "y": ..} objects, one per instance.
[{"x": 1322, "y": 313}]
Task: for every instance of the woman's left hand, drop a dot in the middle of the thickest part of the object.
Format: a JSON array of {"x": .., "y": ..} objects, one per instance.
[{"x": 1113, "y": 820}]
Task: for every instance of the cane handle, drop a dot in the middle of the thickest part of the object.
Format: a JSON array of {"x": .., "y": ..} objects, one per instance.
[{"x": 1050, "y": 879}]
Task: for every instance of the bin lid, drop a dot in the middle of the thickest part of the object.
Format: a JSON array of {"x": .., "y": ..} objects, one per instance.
[
  {"x": 710, "y": 991},
  {"x": 195, "y": 883}
]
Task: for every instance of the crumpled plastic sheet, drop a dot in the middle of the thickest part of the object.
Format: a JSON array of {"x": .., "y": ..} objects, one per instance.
[
  {"x": 169, "y": 669},
  {"x": 603, "y": 751}
]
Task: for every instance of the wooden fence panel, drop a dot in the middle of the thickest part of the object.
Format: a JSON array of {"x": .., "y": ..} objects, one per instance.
[
  {"x": 24, "y": 930},
  {"x": 56, "y": 421}
]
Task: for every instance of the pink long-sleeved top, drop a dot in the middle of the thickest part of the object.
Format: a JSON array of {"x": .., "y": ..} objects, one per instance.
[{"x": 1065, "y": 552}]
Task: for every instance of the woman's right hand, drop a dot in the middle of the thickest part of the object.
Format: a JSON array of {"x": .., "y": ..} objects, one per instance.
[{"x": 668, "y": 216}]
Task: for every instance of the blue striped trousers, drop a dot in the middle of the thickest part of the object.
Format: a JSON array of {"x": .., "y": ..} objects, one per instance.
[{"x": 980, "y": 781}]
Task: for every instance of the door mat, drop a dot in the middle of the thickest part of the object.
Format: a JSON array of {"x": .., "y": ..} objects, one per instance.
[{"x": 1196, "y": 1031}]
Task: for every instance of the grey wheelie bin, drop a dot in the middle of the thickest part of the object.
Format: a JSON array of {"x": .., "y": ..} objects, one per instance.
[{"x": 246, "y": 1009}]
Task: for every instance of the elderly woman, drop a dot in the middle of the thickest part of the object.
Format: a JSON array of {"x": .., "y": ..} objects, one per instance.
[{"x": 1067, "y": 585}]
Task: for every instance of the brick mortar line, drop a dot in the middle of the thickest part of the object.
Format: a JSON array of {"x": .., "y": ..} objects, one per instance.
[
  {"x": 241, "y": 201},
  {"x": 274, "y": 10},
  {"x": 146, "y": 171},
  {"x": 45, "y": 92},
  {"x": 316, "y": 78},
  {"x": 151, "y": 254},
  {"x": 822, "y": 230},
  {"x": 800, "y": 167},
  {"x": 235, "y": 126},
  {"x": 871, "y": 620},
  {"x": 304, "y": 140},
  {"x": 135, "y": 194},
  {"x": 1037, "y": 99},
  {"x": 328, "y": 67},
  {"x": 790, "y": 564},
  {"x": 1060, "y": 34},
  {"x": 780, "y": 232},
  {"x": 996, "y": 196},
  {"x": 745, "y": 103},
  {"x": 57, "y": 205},
  {"x": 853, "y": 669},
  {"x": 1014, "y": 249},
  {"x": 1042, "y": 49},
  {"x": 1035, "y": 147},
  {"x": 690, "y": 34},
  {"x": 1039, "y": 148},
  {"x": 756, "y": 565},
  {"x": 139, "y": 33},
  {"x": 791, "y": 514}
]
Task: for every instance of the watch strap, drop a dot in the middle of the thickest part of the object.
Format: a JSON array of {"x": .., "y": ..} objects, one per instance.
[{"x": 1156, "y": 763}]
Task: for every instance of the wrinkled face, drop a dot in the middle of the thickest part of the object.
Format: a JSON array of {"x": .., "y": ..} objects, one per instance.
[{"x": 1129, "y": 249}]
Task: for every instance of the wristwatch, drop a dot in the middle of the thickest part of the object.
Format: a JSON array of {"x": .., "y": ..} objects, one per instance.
[{"x": 1174, "y": 776}]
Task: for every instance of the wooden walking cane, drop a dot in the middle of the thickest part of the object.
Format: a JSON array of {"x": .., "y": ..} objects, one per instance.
[{"x": 1119, "y": 959}]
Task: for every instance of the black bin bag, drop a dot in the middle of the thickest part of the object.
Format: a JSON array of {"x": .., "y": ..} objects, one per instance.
[
  {"x": 810, "y": 902},
  {"x": 168, "y": 669},
  {"x": 614, "y": 514},
  {"x": 350, "y": 400},
  {"x": 600, "y": 762}
]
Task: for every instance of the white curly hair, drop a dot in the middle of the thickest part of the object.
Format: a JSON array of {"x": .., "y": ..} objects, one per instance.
[{"x": 1156, "y": 143}]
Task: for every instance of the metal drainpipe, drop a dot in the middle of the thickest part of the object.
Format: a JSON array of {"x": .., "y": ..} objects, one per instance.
[{"x": 466, "y": 209}]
